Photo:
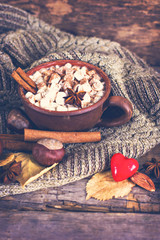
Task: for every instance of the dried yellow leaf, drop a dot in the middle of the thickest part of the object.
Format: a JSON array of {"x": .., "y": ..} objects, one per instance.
[
  {"x": 31, "y": 170},
  {"x": 103, "y": 187},
  {"x": 7, "y": 159}
]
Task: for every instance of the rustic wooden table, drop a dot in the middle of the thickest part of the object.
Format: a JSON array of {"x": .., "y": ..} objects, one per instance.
[{"x": 63, "y": 212}]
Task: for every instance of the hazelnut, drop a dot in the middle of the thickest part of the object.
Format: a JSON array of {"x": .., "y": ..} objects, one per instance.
[
  {"x": 17, "y": 121},
  {"x": 48, "y": 151}
]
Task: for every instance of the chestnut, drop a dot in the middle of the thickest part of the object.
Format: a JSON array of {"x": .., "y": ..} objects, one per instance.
[
  {"x": 48, "y": 151},
  {"x": 17, "y": 121}
]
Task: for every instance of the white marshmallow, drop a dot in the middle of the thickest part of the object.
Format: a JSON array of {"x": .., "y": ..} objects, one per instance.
[
  {"x": 98, "y": 86},
  {"x": 86, "y": 87},
  {"x": 86, "y": 100},
  {"x": 71, "y": 108},
  {"x": 36, "y": 76},
  {"x": 91, "y": 72},
  {"x": 67, "y": 85},
  {"x": 44, "y": 103},
  {"x": 79, "y": 74},
  {"x": 62, "y": 108},
  {"x": 96, "y": 99},
  {"x": 51, "y": 94},
  {"x": 42, "y": 70},
  {"x": 67, "y": 65},
  {"x": 38, "y": 97},
  {"x": 83, "y": 87},
  {"x": 95, "y": 78},
  {"x": 100, "y": 93},
  {"x": 29, "y": 95},
  {"x": 60, "y": 98},
  {"x": 55, "y": 78},
  {"x": 52, "y": 106},
  {"x": 37, "y": 104},
  {"x": 55, "y": 87},
  {"x": 69, "y": 77},
  {"x": 42, "y": 91},
  {"x": 32, "y": 100},
  {"x": 41, "y": 85}
]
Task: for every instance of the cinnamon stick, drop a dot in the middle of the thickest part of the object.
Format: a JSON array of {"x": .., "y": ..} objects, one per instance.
[
  {"x": 21, "y": 82},
  {"x": 17, "y": 145},
  {"x": 15, "y": 137},
  {"x": 25, "y": 77},
  {"x": 65, "y": 137},
  {"x": 15, "y": 142}
]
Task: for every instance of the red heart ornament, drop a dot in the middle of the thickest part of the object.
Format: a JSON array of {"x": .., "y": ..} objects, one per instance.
[{"x": 123, "y": 167}]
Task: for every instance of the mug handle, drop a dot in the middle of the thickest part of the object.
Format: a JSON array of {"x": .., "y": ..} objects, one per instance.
[{"x": 117, "y": 111}]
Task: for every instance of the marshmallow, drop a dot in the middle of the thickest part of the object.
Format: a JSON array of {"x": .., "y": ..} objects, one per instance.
[
  {"x": 98, "y": 86},
  {"x": 79, "y": 74},
  {"x": 55, "y": 78},
  {"x": 37, "y": 97},
  {"x": 35, "y": 76},
  {"x": 86, "y": 100},
  {"x": 60, "y": 98},
  {"x": 29, "y": 95},
  {"x": 62, "y": 108}
]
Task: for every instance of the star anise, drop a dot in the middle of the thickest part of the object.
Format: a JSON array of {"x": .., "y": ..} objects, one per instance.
[
  {"x": 74, "y": 98},
  {"x": 152, "y": 167},
  {"x": 10, "y": 174}
]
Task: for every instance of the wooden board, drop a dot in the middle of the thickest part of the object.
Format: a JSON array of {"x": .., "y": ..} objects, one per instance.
[
  {"x": 78, "y": 226},
  {"x": 135, "y": 24},
  {"x": 72, "y": 197}
]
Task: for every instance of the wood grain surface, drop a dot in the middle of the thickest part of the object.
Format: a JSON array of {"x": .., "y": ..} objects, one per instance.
[
  {"x": 64, "y": 213},
  {"x": 135, "y": 24},
  {"x": 72, "y": 225}
]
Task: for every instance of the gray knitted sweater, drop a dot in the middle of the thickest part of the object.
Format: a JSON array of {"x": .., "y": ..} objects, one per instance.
[{"x": 26, "y": 42}]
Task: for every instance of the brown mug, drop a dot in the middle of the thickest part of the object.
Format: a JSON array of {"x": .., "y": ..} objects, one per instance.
[{"x": 109, "y": 111}]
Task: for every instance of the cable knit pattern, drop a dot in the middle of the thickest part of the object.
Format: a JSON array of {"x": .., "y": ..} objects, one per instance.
[{"x": 26, "y": 42}]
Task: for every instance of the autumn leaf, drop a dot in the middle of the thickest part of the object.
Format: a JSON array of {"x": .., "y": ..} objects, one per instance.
[
  {"x": 31, "y": 170},
  {"x": 103, "y": 187},
  {"x": 7, "y": 159}
]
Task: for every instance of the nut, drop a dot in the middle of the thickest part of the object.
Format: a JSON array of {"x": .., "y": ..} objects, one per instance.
[
  {"x": 48, "y": 151},
  {"x": 143, "y": 181},
  {"x": 17, "y": 121}
]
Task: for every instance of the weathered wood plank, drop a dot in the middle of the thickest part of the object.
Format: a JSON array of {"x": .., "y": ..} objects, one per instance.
[
  {"x": 72, "y": 197},
  {"x": 135, "y": 24},
  {"x": 68, "y": 225}
]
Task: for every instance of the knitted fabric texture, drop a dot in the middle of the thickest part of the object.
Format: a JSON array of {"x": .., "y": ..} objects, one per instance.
[{"x": 26, "y": 42}]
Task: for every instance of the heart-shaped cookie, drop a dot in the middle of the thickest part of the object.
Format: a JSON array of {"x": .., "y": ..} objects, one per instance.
[{"x": 123, "y": 167}]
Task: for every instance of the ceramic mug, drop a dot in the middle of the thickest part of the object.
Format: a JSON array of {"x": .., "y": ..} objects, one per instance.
[{"x": 109, "y": 111}]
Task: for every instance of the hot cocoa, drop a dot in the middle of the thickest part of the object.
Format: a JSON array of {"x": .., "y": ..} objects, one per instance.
[{"x": 66, "y": 88}]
